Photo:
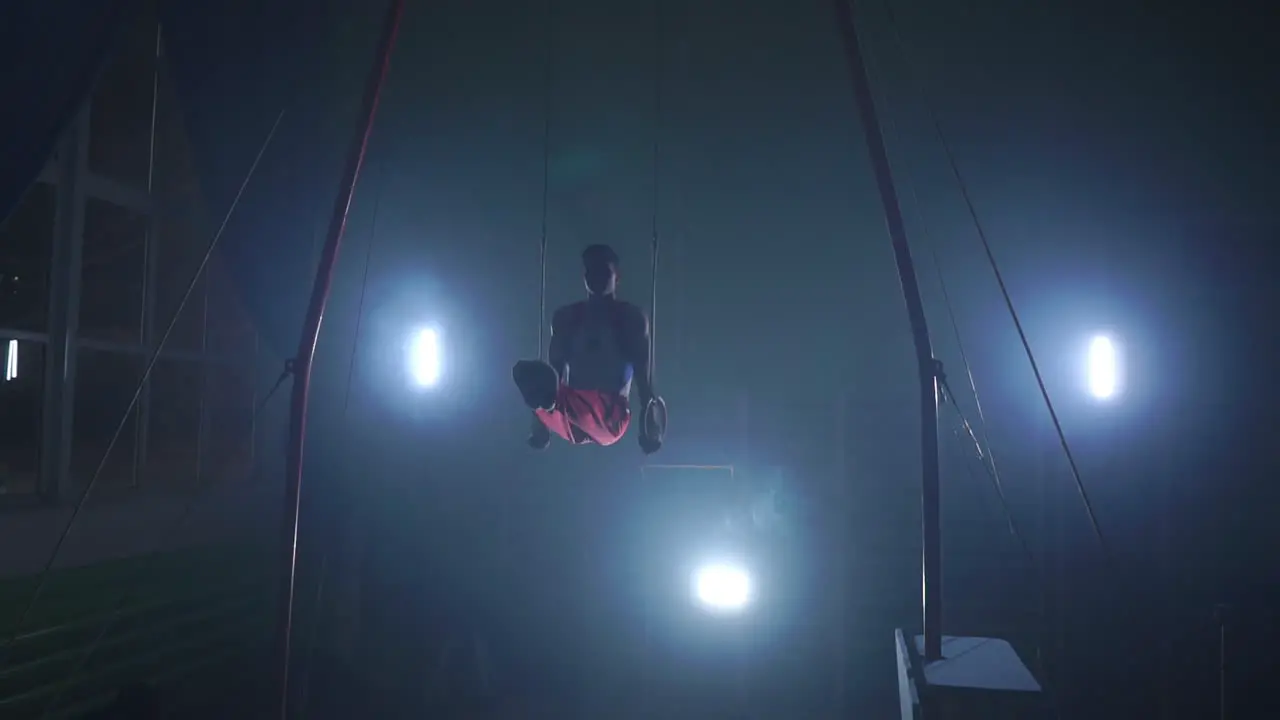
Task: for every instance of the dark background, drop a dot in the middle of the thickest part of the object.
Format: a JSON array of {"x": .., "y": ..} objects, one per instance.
[{"x": 1122, "y": 162}]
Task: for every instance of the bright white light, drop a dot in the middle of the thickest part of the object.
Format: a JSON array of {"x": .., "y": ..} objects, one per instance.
[
  {"x": 424, "y": 357},
  {"x": 1103, "y": 368},
  {"x": 722, "y": 587},
  {"x": 11, "y": 361}
]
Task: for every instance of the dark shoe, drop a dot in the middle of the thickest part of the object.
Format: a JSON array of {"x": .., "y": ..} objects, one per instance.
[
  {"x": 537, "y": 382},
  {"x": 539, "y": 435}
]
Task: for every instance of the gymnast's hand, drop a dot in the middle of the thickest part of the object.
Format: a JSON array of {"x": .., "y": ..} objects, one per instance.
[
  {"x": 649, "y": 445},
  {"x": 653, "y": 426}
]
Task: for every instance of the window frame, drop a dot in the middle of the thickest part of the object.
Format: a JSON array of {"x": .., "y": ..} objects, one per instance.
[{"x": 74, "y": 184}]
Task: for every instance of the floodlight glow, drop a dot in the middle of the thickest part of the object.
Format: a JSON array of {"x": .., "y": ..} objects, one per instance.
[
  {"x": 1103, "y": 368},
  {"x": 424, "y": 357},
  {"x": 721, "y": 587},
  {"x": 11, "y": 361}
]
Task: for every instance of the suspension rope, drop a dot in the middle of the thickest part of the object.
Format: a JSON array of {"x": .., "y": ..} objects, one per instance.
[
  {"x": 982, "y": 447},
  {"x": 985, "y": 458},
  {"x": 1004, "y": 290},
  {"x": 1041, "y": 584},
  {"x": 43, "y": 577},
  {"x": 653, "y": 219},
  {"x": 1108, "y": 555},
  {"x": 989, "y": 456},
  {"x": 548, "y": 61}
]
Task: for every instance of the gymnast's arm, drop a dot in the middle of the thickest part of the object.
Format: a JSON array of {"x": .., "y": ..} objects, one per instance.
[
  {"x": 558, "y": 352},
  {"x": 636, "y": 343}
]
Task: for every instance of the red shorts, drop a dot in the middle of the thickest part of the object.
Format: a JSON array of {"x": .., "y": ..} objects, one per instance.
[{"x": 587, "y": 416}]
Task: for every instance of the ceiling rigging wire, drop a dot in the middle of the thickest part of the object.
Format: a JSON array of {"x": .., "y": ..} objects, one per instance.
[
  {"x": 548, "y": 61},
  {"x": 979, "y": 439},
  {"x": 658, "y": 48},
  {"x": 982, "y": 446},
  {"x": 1106, "y": 549},
  {"x": 963, "y": 187}
]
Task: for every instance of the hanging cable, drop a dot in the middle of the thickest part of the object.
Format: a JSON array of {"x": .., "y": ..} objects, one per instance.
[
  {"x": 984, "y": 457},
  {"x": 154, "y": 356},
  {"x": 653, "y": 218},
  {"x": 548, "y": 61},
  {"x": 1041, "y": 584},
  {"x": 988, "y": 457},
  {"x": 982, "y": 447},
  {"x": 1004, "y": 290}
]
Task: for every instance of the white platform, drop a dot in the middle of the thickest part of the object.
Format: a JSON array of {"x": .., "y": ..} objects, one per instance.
[
  {"x": 979, "y": 664},
  {"x": 970, "y": 667}
]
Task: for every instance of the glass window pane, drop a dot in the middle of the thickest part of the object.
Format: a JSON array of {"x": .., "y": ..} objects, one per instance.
[
  {"x": 115, "y": 254},
  {"x": 230, "y": 332},
  {"x": 105, "y": 383},
  {"x": 173, "y": 435},
  {"x": 177, "y": 259},
  {"x": 120, "y": 116},
  {"x": 181, "y": 226},
  {"x": 21, "y": 414},
  {"x": 26, "y": 248}
]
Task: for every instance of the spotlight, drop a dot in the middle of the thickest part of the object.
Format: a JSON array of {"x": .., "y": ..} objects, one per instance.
[
  {"x": 1103, "y": 368},
  {"x": 11, "y": 361},
  {"x": 424, "y": 357},
  {"x": 722, "y": 587}
]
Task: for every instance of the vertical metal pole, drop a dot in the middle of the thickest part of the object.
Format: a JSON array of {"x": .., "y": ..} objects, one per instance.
[
  {"x": 1220, "y": 614},
  {"x": 254, "y": 367},
  {"x": 207, "y": 364},
  {"x": 1222, "y": 672},
  {"x": 1055, "y": 543},
  {"x": 150, "y": 260},
  {"x": 64, "y": 309},
  {"x": 843, "y": 475},
  {"x": 307, "y": 349},
  {"x": 926, "y": 366},
  {"x": 1049, "y": 582}
]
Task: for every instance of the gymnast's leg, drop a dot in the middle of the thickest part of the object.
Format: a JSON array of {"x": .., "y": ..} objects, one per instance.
[
  {"x": 578, "y": 416},
  {"x": 538, "y": 383}
]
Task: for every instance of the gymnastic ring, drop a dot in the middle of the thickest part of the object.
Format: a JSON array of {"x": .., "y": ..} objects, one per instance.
[{"x": 655, "y": 418}]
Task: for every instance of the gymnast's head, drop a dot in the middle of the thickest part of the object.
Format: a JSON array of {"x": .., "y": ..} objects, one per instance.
[{"x": 600, "y": 270}]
